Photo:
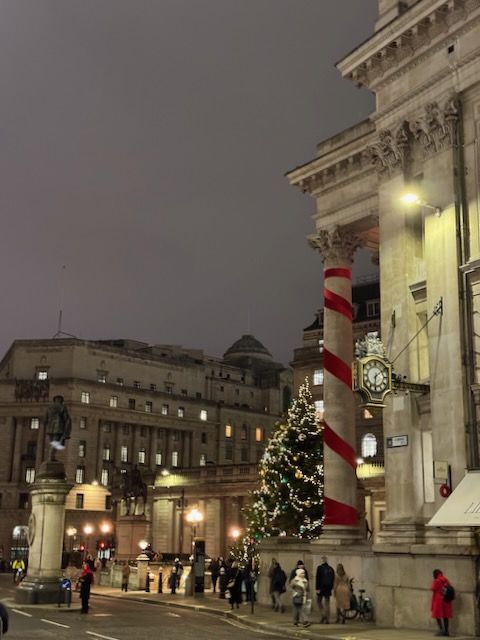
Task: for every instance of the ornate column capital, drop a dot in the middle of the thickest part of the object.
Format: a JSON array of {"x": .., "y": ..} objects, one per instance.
[{"x": 336, "y": 245}]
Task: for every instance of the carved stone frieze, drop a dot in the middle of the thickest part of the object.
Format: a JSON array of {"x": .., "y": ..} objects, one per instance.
[
  {"x": 436, "y": 130},
  {"x": 336, "y": 245},
  {"x": 391, "y": 151}
]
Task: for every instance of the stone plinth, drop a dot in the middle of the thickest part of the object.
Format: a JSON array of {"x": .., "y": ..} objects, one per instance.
[
  {"x": 130, "y": 531},
  {"x": 45, "y": 533}
]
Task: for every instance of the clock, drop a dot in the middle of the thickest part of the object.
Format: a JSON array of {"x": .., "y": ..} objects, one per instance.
[{"x": 375, "y": 376}]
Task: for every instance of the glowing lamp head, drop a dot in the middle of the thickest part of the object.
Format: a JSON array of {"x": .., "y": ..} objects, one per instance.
[
  {"x": 143, "y": 544},
  {"x": 235, "y": 533},
  {"x": 87, "y": 529},
  {"x": 410, "y": 199}
]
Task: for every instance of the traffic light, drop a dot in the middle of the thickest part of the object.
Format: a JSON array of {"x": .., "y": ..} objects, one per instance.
[
  {"x": 101, "y": 544},
  {"x": 82, "y": 547}
]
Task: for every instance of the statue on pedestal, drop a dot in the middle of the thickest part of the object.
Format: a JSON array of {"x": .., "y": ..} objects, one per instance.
[
  {"x": 58, "y": 425},
  {"x": 134, "y": 493}
]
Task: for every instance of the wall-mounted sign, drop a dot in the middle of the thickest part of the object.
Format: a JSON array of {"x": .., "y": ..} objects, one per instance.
[
  {"x": 397, "y": 441},
  {"x": 440, "y": 471}
]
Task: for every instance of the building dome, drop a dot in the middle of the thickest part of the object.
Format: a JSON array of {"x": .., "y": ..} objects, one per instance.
[{"x": 247, "y": 346}]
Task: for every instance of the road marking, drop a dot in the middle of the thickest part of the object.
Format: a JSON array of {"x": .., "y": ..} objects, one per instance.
[
  {"x": 99, "y": 635},
  {"x": 102, "y": 615},
  {"x": 174, "y": 615},
  {"x": 22, "y": 613},
  {"x": 57, "y": 624}
]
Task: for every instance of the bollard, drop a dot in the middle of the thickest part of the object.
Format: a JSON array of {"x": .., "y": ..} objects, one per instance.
[
  {"x": 147, "y": 582},
  {"x": 160, "y": 581}
]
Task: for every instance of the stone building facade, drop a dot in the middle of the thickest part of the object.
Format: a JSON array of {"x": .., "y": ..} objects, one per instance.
[
  {"x": 165, "y": 409},
  {"x": 423, "y": 65}
]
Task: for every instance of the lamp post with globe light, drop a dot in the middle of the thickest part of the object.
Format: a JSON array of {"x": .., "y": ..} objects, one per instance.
[
  {"x": 87, "y": 530},
  {"x": 194, "y": 517}
]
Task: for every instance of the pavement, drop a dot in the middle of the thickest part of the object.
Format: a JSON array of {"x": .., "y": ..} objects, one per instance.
[{"x": 269, "y": 622}]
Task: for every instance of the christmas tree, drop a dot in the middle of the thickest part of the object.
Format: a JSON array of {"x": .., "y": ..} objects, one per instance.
[{"x": 289, "y": 498}]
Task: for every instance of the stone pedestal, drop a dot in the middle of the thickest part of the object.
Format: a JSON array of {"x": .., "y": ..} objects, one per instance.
[
  {"x": 45, "y": 533},
  {"x": 130, "y": 531}
]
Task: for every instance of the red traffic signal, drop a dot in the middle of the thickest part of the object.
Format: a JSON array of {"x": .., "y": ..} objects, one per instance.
[{"x": 82, "y": 547}]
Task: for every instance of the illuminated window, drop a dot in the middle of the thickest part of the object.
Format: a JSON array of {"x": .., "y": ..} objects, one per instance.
[
  {"x": 158, "y": 458},
  {"x": 181, "y": 412},
  {"x": 228, "y": 431},
  {"x": 83, "y": 423},
  {"x": 367, "y": 415},
  {"x": 80, "y": 475},
  {"x": 203, "y": 460},
  {"x": 318, "y": 376},
  {"x": 203, "y": 414},
  {"x": 34, "y": 423},
  {"x": 120, "y": 381},
  {"x": 141, "y": 456},
  {"x": 30, "y": 475},
  {"x": 258, "y": 434},
  {"x": 369, "y": 446},
  {"x": 104, "y": 477},
  {"x": 174, "y": 458},
  {"x": 164, "y": 409},
  {"x": 85, "y": 397},
  {"x": 42, "y": 374},
  {"x": 82, "y": 449},
  {"x": 102, "y": 377},
  {"x": 123, "y": 453},
  {"x": 320, "y": 346},
  {"x": 106, "y": 453},
  {"x": 114, "y": 401},
  {"x": 319, "y": 408},
  {"x": 148, "y": 406}
]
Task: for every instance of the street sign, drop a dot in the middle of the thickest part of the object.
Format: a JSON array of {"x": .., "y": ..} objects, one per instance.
[{"x": 397, "y": 441}]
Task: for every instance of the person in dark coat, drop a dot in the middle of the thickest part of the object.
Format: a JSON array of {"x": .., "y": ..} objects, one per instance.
[
  {"x": 278, "y": 580},
  {"x": 235, "y": 579},
  {"x": 299, "y": 565},
  {"x": 215, "y": 572},
  {"x": 442, "y": 611},
  {"x": 86, "y": 581},
  {"x": 222, "y": 580},
  {"x": 173, "y": 581},
  {"x": 250, "y": 574},
  {"x": 324, "y": 582}
]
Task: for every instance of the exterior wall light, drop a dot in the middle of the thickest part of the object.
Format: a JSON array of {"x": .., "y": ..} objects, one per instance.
[{"x": 414, "y": 199}]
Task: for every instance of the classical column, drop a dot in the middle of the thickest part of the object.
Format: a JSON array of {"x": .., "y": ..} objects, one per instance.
[{"x": 341, "y": 517}]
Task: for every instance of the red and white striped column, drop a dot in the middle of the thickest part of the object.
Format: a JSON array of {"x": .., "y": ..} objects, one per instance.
[{"x": 341, "y": 515}]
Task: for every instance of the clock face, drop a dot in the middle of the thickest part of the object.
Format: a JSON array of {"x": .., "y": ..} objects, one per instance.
[{"x": 375, "y": 376}]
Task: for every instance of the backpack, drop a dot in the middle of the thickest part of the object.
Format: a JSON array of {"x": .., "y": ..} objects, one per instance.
[{"x": 448, "y": 593}]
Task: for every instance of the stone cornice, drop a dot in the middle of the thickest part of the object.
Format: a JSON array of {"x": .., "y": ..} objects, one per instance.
[{"x": 418, "y": 32}]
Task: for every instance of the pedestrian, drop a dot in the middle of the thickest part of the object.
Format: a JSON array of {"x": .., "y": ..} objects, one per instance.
[
  {"x": 441, "y": 608},
  {"x": 234, "y": 585},
  {"x": 300, "y": 565},
  {"x": 341, "y": 590},
  {"x": 125, "y": 576},
  {"x": 179, "y": 570},
  {"x": 86, "y": 581},
  {"x": 278, "y": 579},
  {"x": 324, "y": 581},
  {"x": 215, "y": 572},
  {"x": 223, "y": 580},
  {"x": 300, "y": 593},
  {"x": 3, "y": 619},
  {"x": 172, "y": 581},
  {"x": 91, "y": 562},
  {"x": 250, "y": 574}
]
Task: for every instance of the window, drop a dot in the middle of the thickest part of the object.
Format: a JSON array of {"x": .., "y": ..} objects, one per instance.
[
  {"x": 136, "y": 384},
  {"x": 228, "y": 431},
  {"x": 83, "y": 423},
  {"x": 244, "y": 432},
  {"x": 198, "y": 395},
  {"x": 141, "y": 456},
  {"x": 318, "y": 376},
  {"x": 82, "y": 448},
  {"x": 131, "y": 403},
  {"x": 120, "y": 382},
  {"x": 203, "y": 437},
  {"x": 184, "y": 392},
  {"x": 373, "y": 308},
  {"x": 34, "y": 423},
  {"x": 153, "y": 387},
  {"x": 203, "y": 460},
  {"x": 203, "y": 414},
  {"x": 168, "y": 388},
  {"x": 42, "y": 374},
  {"x": 79, "y": 501},
  {"x": 175, "y": 436},
  {"x": 123, "y": 453},
  {"x": 80, "y": 475},
  {"x": 107, "y": 427},
  {"x": 319, "y": 408},
  {"x": 237, "y": 392},
  {"x": 23, "y": 501},
  {"x": 107, "y": 452},
  {"x": 258, "y": 434},
  {"x": 31, "y": 449},
  {"x": 126, "y": 429},
  {"x": 102, "y": 377},
  {"x": 108, "y": 502},
  {"x": 367, "y": 415},
  {"x": 85, "y": 397},
  {"x": 320, "y": 346},
  {"x": 104, "y": 477},
  {"x": 222, "y": 388},
  {"x": 114, "y": 401},
  {"x": 181, "y": 412},
  {"x": 244, "y": 454},
  {"x": 158, "y": 458},
  {"x": 143, "y": 432},
  {"x": 30, "y": 475},
  {"x": 228, "y": 452},
  {"x": 164, "y": 409},
  {"x": 369, "y": 446},
  {"x": 148, "y": 406},
  {"x": 174, "y": 458}
]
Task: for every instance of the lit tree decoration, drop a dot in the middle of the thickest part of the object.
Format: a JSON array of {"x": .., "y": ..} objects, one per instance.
[{"x": 289, "y": 498}]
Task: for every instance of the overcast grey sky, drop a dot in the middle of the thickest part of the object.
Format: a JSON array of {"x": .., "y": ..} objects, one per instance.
[{"x": 144, "y": 145}]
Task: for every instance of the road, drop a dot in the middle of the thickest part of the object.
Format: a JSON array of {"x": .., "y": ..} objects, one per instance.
[{"x": 111, "y": 619}]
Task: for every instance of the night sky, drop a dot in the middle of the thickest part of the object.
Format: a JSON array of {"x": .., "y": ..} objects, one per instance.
[{"x": 143, "y": 145}]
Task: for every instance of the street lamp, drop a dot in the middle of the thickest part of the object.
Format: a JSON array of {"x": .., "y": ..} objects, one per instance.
[
  {"x": 411, "y": 199},
  {"x": 194, "y": 517},
  {"x": 105, "y": 527},
  {"x": 235, "y": 533},
  {"x": 143, "y": 544},
  {"x": 87, "y": 530}
]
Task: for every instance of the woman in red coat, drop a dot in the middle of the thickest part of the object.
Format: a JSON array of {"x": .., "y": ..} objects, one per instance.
[{"x": 441, "y": 610}]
